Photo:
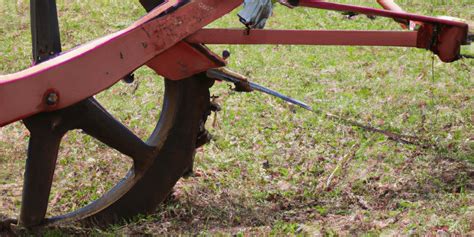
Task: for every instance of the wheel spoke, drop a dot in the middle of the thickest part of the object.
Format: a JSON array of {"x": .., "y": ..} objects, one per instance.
[
  {"x": 38, "y": 178},
  {"x": 40, "y": 165},
  {"x": 47, "y": 130},
  {"x": 100, "y": 124}
]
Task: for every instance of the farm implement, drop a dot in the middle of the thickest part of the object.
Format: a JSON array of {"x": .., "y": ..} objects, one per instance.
[{"x": 56, "y": 94}]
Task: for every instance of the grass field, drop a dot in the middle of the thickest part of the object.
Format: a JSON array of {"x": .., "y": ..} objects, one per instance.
[{"x": 273, "y": 168}]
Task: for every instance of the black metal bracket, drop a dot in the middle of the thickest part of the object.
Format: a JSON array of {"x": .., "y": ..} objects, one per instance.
[{"x": 44, "y": 30}]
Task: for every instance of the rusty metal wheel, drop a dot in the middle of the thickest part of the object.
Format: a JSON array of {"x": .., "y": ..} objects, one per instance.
[{"x": 158, "y": 163}]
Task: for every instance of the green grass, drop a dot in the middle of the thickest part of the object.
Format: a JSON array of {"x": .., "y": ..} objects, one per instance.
[{"x": 265, "y": 171}]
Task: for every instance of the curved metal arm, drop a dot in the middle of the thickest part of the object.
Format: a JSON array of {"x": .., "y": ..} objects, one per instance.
[
  {"x": 156, "y": 38},
  {"x": 95, "y": 66}
]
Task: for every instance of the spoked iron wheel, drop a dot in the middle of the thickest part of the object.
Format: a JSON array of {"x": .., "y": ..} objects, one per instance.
[{"x": 158, "y": 162}]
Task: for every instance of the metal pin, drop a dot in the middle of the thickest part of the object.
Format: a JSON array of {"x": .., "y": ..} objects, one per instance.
[{"x": 242, "y": 82}]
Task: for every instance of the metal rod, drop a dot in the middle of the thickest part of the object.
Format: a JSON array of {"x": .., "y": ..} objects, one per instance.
[
  {"x": 227, "y": 75},
  {"x": 279, "y": 95},
  {"x": 305, "y": 37},
  {"x": 378, "y": 12}
]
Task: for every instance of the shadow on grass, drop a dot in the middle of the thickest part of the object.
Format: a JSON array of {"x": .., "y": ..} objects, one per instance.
[{"x": 229, "y": 211}]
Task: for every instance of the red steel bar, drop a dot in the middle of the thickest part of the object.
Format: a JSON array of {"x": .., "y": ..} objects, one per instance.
[
  {"x": 378, "y": 12},
  {"x": 443, "y": 37},
  {"x": 305, "y": 37},
  {"x": 93, "y": 67}
]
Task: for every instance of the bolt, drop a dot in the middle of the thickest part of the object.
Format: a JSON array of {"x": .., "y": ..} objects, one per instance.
[
  {"x": 225, "y": 54},
  {"x": 130, "y": 78},
  {"x": 52, "y": 98}
]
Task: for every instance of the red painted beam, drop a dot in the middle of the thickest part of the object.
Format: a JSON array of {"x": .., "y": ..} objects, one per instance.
[
  {"x": 305, "y": 37},
  {"x": 95, "y": 66},
  {"x": 442, "y": 36},
  {"x": 446, "y": 43},
  {"x": 378, "y": 12}
]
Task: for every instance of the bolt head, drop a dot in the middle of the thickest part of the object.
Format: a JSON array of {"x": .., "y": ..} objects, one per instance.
[
  {"x": 52, "y": 98},
  {"x": 225, "y": 54},
  {"x": 130, "y": 78}
]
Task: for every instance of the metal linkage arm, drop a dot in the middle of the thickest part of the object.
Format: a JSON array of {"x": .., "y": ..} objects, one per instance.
[
  {"x": 242, "y": 84},
  {"x": 93, "y": 67},
  {"x": 306, "y": 37},
  {"x": 442, "y": 36},
  {"x": 443, "y": 42},
  {"x": 376, "y": 12},
  {"x": 155, "y": 38}
]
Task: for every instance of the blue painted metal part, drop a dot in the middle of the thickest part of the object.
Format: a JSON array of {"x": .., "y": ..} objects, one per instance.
[{"x": 255, "y": 13}]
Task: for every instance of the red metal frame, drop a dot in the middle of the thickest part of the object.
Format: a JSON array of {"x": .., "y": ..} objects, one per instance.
[
  {"x": 305, "y": 37},
  {"x": 93, "y": 67},
  {"x": 443, "y": 37},
  {"x": 156, "y": 40},
  {"x": 378, "y": 12}
]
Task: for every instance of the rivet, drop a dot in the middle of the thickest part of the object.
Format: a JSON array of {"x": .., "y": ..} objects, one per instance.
[{"x": 52, "y": 98}]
